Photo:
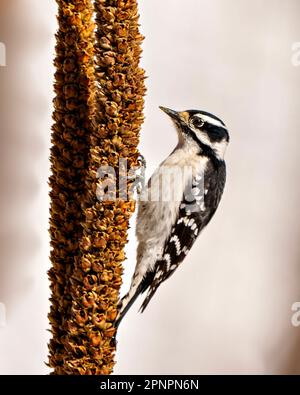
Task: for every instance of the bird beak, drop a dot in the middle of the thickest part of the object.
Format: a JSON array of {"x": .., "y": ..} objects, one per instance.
[{"x": 172, "y": 114}]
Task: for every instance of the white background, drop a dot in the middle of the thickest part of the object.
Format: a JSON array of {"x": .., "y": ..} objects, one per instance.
[{"x": 228, "y": 308}]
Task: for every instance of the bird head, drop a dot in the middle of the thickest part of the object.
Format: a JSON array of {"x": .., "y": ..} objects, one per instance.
[{"x": 202, "y": 129}]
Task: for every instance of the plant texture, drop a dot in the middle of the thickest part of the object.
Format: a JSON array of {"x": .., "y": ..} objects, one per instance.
[{"x": 98, "y": 115}]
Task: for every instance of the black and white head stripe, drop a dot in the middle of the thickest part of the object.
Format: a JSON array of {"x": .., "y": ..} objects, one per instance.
[
  {"x": 208, "y": 117},
  {"x": 209, "y": 131},
  {"x": 209, "y": 123}
]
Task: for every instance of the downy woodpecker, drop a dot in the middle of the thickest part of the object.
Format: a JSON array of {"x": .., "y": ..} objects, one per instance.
[{"x": 167, "y": 226}]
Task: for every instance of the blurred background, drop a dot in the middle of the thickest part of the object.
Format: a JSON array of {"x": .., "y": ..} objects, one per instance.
[{"x": 228, "y": 309}]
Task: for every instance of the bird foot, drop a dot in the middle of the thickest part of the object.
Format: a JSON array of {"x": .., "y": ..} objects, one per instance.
[{"x": 139, "y": 178}]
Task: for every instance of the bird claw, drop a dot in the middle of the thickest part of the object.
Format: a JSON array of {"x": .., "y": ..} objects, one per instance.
[
  {"x": 138, "y": 184},
  {"x": 139, "y": 179},
  {"x": 142, "y": 161}
]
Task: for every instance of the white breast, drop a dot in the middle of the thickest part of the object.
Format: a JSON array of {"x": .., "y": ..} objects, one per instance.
[{"x": 158, "y": 209}]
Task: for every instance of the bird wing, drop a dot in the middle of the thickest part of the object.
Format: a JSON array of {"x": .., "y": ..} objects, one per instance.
[{"x": 195, "y": 212}]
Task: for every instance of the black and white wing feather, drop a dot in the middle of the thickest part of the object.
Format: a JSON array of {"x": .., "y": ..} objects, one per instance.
[{"x": 195, "y": 212}]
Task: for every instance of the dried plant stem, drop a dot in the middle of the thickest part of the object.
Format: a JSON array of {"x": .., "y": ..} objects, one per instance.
[{"x": 92, "y": 128}]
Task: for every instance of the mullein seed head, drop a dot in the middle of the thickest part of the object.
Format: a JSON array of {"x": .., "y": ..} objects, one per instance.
[{"x": 98, "y": 115}]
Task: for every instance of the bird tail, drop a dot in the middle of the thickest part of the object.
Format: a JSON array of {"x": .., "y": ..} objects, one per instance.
[
  {"x": 125, "y": 304},
  {"x": 128, "y": 300},
  {"x": 155, "y": 278},
  {"x": 148, "y": 297}
]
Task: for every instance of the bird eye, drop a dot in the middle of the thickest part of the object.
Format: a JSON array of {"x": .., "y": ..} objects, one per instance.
[{"x": 197, "y": 122}]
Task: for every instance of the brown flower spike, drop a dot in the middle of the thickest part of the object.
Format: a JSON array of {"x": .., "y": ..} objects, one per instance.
[{"x": 98, "y": 116}]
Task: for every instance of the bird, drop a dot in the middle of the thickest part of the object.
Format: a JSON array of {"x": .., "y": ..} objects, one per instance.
[{"x": 166, "y": 229}]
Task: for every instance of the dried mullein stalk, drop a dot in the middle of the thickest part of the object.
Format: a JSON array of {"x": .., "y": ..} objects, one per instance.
[
  {"x": 93, "y": 128},
  {"x": 74, "y": 106},
  {"x": 97, "y": 273}
]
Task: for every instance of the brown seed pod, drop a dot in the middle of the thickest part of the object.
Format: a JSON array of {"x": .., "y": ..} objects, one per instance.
[{"x": 97, "y": 118}]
